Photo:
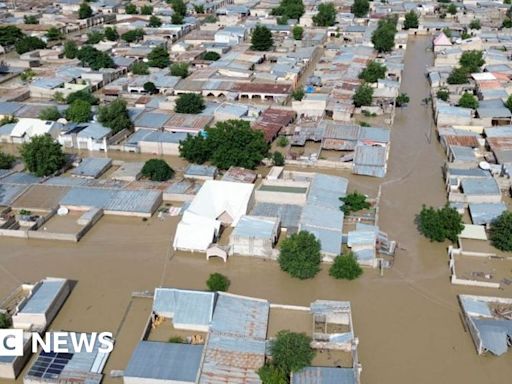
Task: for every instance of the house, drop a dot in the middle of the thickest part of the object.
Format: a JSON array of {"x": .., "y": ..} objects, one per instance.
[
  {"x": 91, "y": 136},
  {"x": 25, "y": 129},
  {"x": 92, "y": 167},
  {"x": 200, "y": 172},
  {"x": 255, "y": 236}
]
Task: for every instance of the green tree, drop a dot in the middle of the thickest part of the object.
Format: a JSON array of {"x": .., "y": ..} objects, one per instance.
[
  {"x": 475, "y": 24},
  {"x": 150, "y": 87},
  {"x": 282, "y": 141},
  {"x": 29, "y": 43},
  {"x": 326, "y": 16},
  {"x": 79, "y": 112},
  {"x": 363, "y": 95},
  {"x": 27, "y": 75},
  {"x": 50, "y": 113},
  {"x": 402, "y": 99},
  {"x": 300, "y": 255},
  {"x": 146, "y": 10},
  {"x": 130, "y": 9},
  {"x": 179, "y": 7},
  {"x": 298, "y": 94},
  {"x": 282, "y": 20},
  {"x": 140, "y": 68},
  {"x": 159, "y": 57},
  {"x": 59, "y": 98},
  {"x": 472, "y": 60},
  {"x": 4, "y": 321},
  {"x": 297, "y": 32},
  {"x": 157, "y": 170},
  {"x": 30, "y": 19},
  {"x": 210, "y": 19},
  {"x": 189, "y": 103},
  {"x": 82, "y": 95},
  {"x": 443, "y": 94},
  {"x": 383, "y": 38},
  {"x": 501, "y": 232},
  {"x": 94, "y": 58},
  {"x": 354, "y": 202},
  {"x": 195, "y": 149},
  {"x": 154, "y": 22},
  {"x": 210, "y": 56},
  {"x": 508, "y": 103},
  {"x": 261, "y": 39},
  {"x": 70, "y": 49},
  {"x": 360, "y": 8},
  {"x": 270, "y": 374},
  {"x": 217, "y": 282},
  {"x": 373, "y": 72},
  {"x": 447, "y": 32},
  {"x": 133, "y": 35},
  {"x": 452, "y": 9},
  {"x": 440, "y": 224},
  {"x": 345, "y": 267},
  {"x": 291, "y": 351},
  {"x": 9, "y": 35},
  {"x": 111, "y": 34},
  {"x": 53, "y": 34},
  {"x": 85, "y": 11},
  {"x": 411, "y": 20},
  {"x": 179, "y": 69},
  {"x": 291, "y": 9},
  {"x": 177, "y": 19},
  {"x": 507, "y": 23},
  {"x": 6, "y": 160},
  {"x": 42, "y": 155},
  {"x": 94, "y": 37},
  {"x": 278, "y": 159},
  {"x": 467, "y": 100},
  {"x": 199, "y": 9},
  {"x": 459, "y": 75},
  {"x": 115, "y": 116}
]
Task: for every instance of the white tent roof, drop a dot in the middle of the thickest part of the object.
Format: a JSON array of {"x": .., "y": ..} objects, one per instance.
[
  {"x": 200, "y": 223},
  {"x": 34, "y": 127}
]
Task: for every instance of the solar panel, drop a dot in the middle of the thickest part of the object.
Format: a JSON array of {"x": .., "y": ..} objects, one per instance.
[{"x": 49, "y": 365}]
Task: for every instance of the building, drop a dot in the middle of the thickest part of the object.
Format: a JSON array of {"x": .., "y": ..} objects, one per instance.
[
  {"x": 25, "y": 129},
  {"x": 255, "y": 236},
  {"x": 92, "y": 167}
]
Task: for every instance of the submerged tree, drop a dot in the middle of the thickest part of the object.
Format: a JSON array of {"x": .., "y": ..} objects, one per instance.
[
  {"x": 501, "y": 232},
  {"x": 440, "y": 224},
  {"x": 42, "y": 155},
  {"x": 345, "y": 267},
  {"x": 157, "y": 170},
  {"x": 217, "y": 282},
  {"x": 300, "y": 255},
  {"x": 354, "y": 202}
]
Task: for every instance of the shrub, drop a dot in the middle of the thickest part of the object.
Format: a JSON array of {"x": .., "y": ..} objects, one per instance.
[
  {"x": 278, "y": 158},
  {"x": 29, "y": 43},
  {"x": 443, "y": 94},
  {"x": 70, "y": 49},
  {"x": 440, "y": 224},
  {"x": 345, "y": 267},
  {"x": 218, "y": 283},
  {"x": 189, "y": 103},
  {"x": 300, "y": 255},
  {"x": 85, "y": 11},
  {"x": 6, "y": 160},
  {"x": 501, "y": 232},
  {"x": 177, "y": 340},
  {"x": 211, "y": 56},
  {"x": 282, "y": 141},
  {"x": 179, "y": 69},
  {"x": 297, "y": 32},
  {"x": 373, "y": 72},
  {"x": 326, "y": 16},
  {"x": 475, "y": 24},
  {"x": 298, "y": 94},
  {"x": 363, "y": 96},
  {"x": 157, "y": 170},
  {"x": 467, "y": 100},
  {"x": 50, "y": 113},
  {"x": 354, "y": 202},
  {"x": 150, "y": 87},
  {"x": 458, "y": 75}
]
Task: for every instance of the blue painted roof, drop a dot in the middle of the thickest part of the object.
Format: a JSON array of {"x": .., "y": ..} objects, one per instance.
[
  {"x": 485, "y": 213},
  {"x": 152, "y": 120},
  {"x": 324, "y": 375},
  {"x": 10, "y": 192}
]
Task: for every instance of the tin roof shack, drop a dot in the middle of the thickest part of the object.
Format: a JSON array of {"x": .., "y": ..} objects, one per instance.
[
  {"x": 489, "y": 320},
  {"x": 447, "y": 115},
  {"x": 480, "y": 191},
  {"x": 485, "y": 213},
  {"x": 370, "y": 160},
  {"x": 92, "y": 167},
  {"x": 499, "y": 140},
  {"x": 80, "y": 367},
  {"x": 41, "y": 306},
  {"x": 183, "y": 190},
  {"x": 255, "y": 236},
  {"x": 200, "y": 172}
]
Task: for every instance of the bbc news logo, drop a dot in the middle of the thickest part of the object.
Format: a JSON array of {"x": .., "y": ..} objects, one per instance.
[{"x": 12, "y": 342}]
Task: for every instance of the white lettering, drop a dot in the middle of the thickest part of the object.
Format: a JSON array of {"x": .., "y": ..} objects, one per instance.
[
  {"x": 79, "y": 341},
  {"x": 45, "y": 344},
  {"x": 105, "y": 339},
  {"x": 60, "y": 342}
]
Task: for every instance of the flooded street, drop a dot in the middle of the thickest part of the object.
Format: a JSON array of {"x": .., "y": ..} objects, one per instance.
[{"x": 407, "y": 321}]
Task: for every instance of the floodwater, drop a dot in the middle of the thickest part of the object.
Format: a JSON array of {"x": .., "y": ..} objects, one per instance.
[{"x": 407, "y": 321}]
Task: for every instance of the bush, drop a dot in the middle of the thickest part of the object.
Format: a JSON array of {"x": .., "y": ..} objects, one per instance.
[
  {"x": 300, "y": 255},
  {"x": 326, "y": 16},
  {"x": 345, "y": 267},
  {"x": 467, "y": 100},
  {"x": 177, "y": 340},
  {"x": 140, "y": 68},
  {"x": 6, "y": 160},
  {"x": 261, "y": 39},
  {"x": 291, "y": 351},
  {"x": 176, "y": 18},
  {"x": 159, "y": 57},
  {"x": 133, "y": 35},
  {"x": 440, "y": 224},
  {"x": 472, "y": 61},
  {"x": 50, "y": 113},
  {"x": 27, "y": 75},
  {"x": 218, "y": 283},
  {"x": 411, "y": 20},
  {"x": 85, "y": 11},
  {"x": 94, "y": 37},
  {"x": 130, "y": 9},
  {"x": 70, "y": 49},
  {"x": 298, "y": 94},
  {"x": 363, "y": 95},
  {"x": 189, "y": 103},
  {"x": 29, "y": 43},
  {"x": 282, "y": 20},
  {"x": 146, "y": 10},
  {"x": 402, "y": 99},
  {"x": 278, "y": 158},
  {"x": 154, "y": 22},
  {"x": 157, "y": 170},
  {"x": 507, "y": 23},
  {"x": 458, "y": 75},
  {"x": 452, "y": 9},
  {"x": 443, "y": 94},
  {"x": 373, "y": 72},
  {"x": 270, "y": 374},
  {"x": 4, "y": 321},
  {"x": 82, "y": 95},
  {"x": 354, "y": 202},
  {"x": 475, "y": 24},
  {"x": 501, "y": 232},
  {"x": 360, "y": 8},
  {"x": 53, "y": 34},
  {"x": 211, "y": 56},
  {"x": 282, "y": 141},
  {"x": 30, "y": 19},
  {"x": 42, "y": 155},
  {"x": 179, "y": 69},
  {"x": 115, "y": 116},
  {"x": 111, "y": 34},
  {"x": 150, "y": 87}
]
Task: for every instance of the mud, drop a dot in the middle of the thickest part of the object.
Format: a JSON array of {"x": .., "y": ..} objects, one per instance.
[{"x": 407, "y": 321}]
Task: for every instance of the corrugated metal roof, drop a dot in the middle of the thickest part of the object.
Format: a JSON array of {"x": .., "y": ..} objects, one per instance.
[
  {"x": 10, "y": 192},
  {"x": 324, "y": 375},
  {"x": 184, "y": 307},
  {"x": 289, "y": 214},
  {"x": 485, "y": 213},
  {"x": 256, "y": 227},
  {"x": 92, "y": 167},
  {"x": 21, "y": 178},
  {"x": 43, "y": 296},
  {"x": 200, "y": 170},
  {"x": 487, "y": 186}
]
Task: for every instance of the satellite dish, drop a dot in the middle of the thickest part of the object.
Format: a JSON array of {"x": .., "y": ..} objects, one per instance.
[
  {"x": 62, "y": 211},
  {"x": 484, "y": 165}
]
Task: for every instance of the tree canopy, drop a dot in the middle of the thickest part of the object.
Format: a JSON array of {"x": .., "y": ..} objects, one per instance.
[
  {"x": 363, "y": 95},
  {"x": 472, "y": 61},
  {"x": 85, "y": 11},
  {"x": 467, "y": 100},
  {"x": 210, "y": 56},
  {"x": 9, "y": 35},
  {"x": 82, "y": 95},
  {"x": 179, "y": 69},
  {"x": 443, "y": 94},
  {"x": 94, "y": 37},
  {"x": 278, "y": 159},
  {"x": 402, "y": 99},
  {"x": 130, "y": 9},
  {"x": 140, "y": 68},
  {"x": 30, "y": 19},
  {"x": 94, "y": 58},
  {"x": 411, "y": 20},
  {"x": 115, "y": 116},
  {"x": 53, "y": 34},
  {"x": 133, "y": 35},
  {"x": 50, "y": 113},
  {"x": 345, "y": 267},
  {"x": 291, "y": 351},
  {"x": 373, "y": 72},
  {"x": 440, "y": 224},
  {"x": 154, "y": 22},
  {"x": 458, "y": 75},
  {"x": 508, "y": 103},
  {"x": 292, "y": 9},
  {"x": 146, "y": 9},
  {"x": 217, "y": 282},
  {"x": 111, "y": 33},
  {"x": 6, "y": 160},
  {"x": 360, "y": 8},
  {"x": 157, "y": 170},
  {"x": 354, "y": 202},
  {"x": 4, "y": 321},
  {"x": 501, "y": 232},
  {"x": 29, "y": 43},
  {"x": 298, "y": 94},
  {"x": 150, "y": 87},
  {"x": 70, "y": 49},
  {"x": 326, "y": 16},
  {"x": 79, "y": 111},
  {"x": 297, "y": 32},
  {"x": 261, "y": 39},
  {"x": 42, "y": 155},
  {"x": 300, "y": 255},
  {"x": 159, "y": 57},
  {"x": 383, "y": 38},
  {"x": 179, "y": 7},
  {"x": 189, "y": 103},
  {"x": 475, "y": 24},
  {"x": 228, "y": 143}
]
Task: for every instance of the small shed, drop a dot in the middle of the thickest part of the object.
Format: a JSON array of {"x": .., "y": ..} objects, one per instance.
[
  {"x": 200, "y": 172},
  {"x": 255, "y": 236}
]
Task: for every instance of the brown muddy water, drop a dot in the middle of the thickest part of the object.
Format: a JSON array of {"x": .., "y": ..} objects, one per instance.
[{"x": 407, "y": 321}]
